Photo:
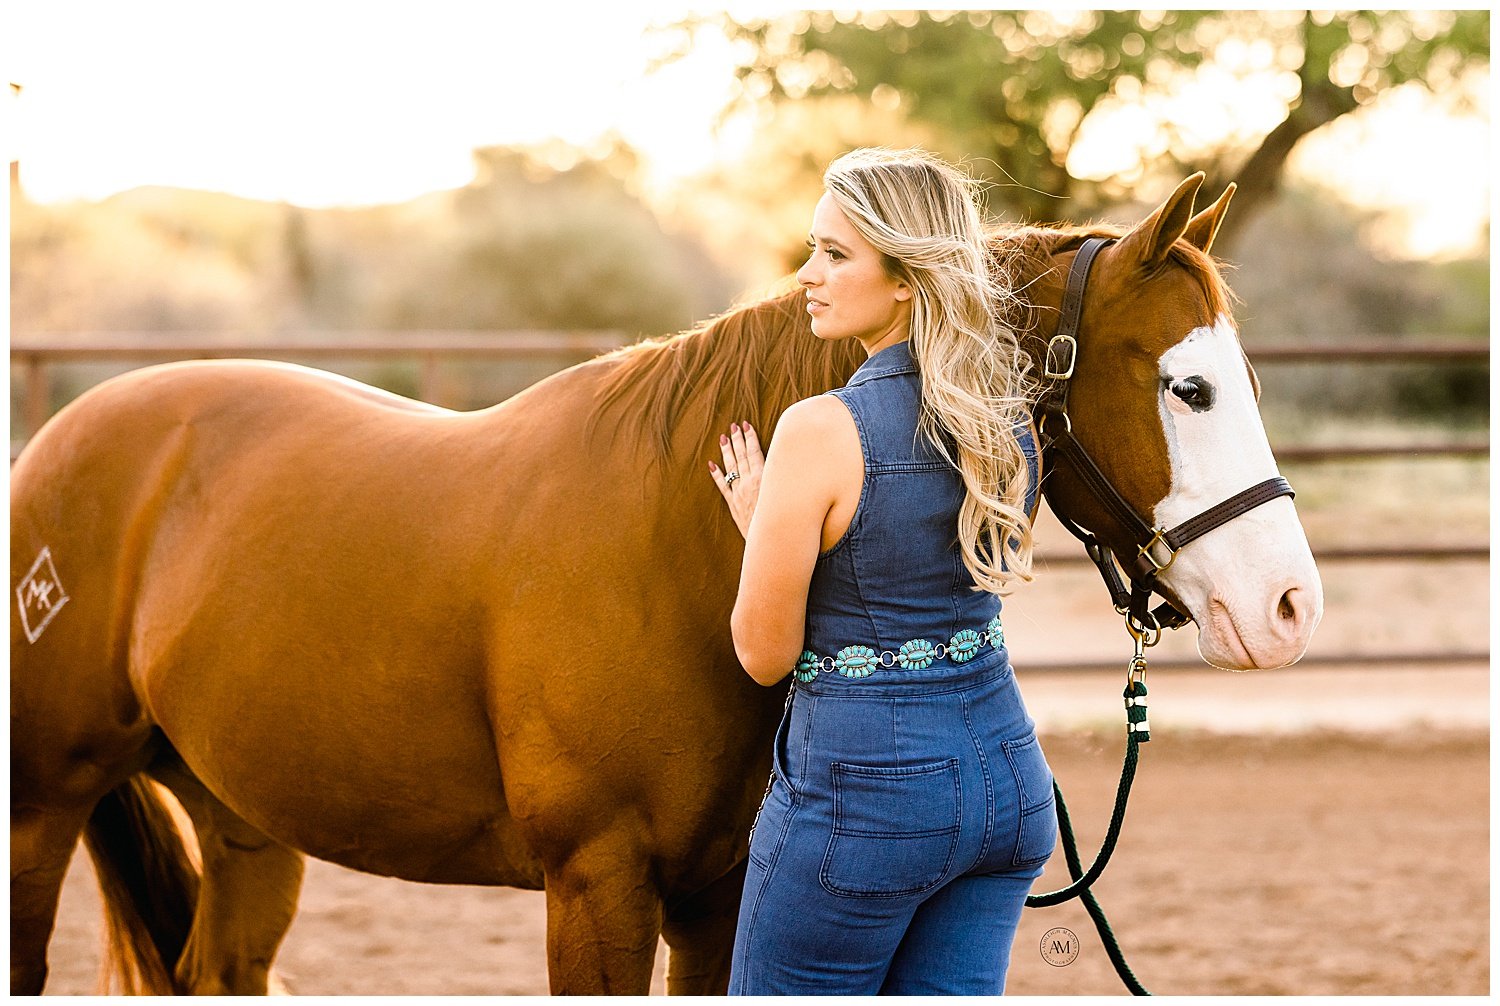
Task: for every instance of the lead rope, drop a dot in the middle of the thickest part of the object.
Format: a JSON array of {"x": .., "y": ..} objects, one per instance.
[{"x": 1137, "y": 732}]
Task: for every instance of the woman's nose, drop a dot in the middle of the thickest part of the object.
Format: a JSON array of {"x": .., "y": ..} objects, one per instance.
[{"x": 805, "y": 275}]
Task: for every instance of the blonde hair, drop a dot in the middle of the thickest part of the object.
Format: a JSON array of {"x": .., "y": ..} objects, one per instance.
[{"x": 921, "y": 213}]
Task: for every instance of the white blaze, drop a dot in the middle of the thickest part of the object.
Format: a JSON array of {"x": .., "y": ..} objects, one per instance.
[{"x": 1250, "y": 584}]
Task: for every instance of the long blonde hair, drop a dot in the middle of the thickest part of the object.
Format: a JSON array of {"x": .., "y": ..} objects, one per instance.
[{"x": 921, "y": 213}]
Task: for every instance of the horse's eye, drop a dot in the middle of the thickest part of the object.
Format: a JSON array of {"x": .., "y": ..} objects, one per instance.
[{"x": 1195, "y": 392}]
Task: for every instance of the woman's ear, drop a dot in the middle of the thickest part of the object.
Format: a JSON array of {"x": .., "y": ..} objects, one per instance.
[{"x": 903, "y": 291}]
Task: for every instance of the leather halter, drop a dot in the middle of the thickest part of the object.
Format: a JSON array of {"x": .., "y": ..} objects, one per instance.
[{"x": 1148, "y": 562}]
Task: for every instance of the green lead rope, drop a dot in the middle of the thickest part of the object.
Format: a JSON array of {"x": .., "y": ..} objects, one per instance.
[{"x": 1138, "y": 732}]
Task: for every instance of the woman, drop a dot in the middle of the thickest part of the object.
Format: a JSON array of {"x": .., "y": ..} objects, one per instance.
[{"x": 910, "y": 807}]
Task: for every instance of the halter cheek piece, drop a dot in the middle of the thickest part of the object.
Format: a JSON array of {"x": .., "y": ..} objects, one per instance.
[
  {"x": 1156, "y": 547},
  {"x": 1155, "y": 550}
]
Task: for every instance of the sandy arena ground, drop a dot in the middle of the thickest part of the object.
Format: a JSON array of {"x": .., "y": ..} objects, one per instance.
[{"x": 1311, "y": 863}]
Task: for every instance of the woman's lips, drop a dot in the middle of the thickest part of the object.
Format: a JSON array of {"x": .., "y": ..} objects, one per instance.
[{"x": 815, "y": 306}]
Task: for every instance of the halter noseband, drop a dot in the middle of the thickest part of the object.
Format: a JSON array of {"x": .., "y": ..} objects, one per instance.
[{"x": 1144, "y": 567}]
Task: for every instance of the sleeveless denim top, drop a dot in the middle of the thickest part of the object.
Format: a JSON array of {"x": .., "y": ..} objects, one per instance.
[{"x": 892, "y": 603}]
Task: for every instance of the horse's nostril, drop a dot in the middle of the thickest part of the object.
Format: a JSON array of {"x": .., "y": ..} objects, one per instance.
[{"x": 1294, "y": 610}]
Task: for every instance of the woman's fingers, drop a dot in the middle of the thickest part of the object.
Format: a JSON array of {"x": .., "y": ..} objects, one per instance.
[
  {"x": 737, "y": 444},
  {"x": 741, "y": 450},
  {"x": 752, "y": 443},
  {"x": 742, "y": 458},
  {"x": 718, "y": 477},
  {"x": 726, "y": 447},
  {"x": 745, "y": 446}
]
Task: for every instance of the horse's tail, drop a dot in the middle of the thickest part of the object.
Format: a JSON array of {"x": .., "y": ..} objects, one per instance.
[{"x": 150, "y": 887}]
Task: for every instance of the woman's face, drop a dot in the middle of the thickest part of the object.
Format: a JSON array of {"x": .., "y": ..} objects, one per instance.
[{"x": 849, "y": 293}]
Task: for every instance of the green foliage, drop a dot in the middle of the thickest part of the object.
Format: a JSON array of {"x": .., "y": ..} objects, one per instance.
[{"x": 1014, "y": 88}]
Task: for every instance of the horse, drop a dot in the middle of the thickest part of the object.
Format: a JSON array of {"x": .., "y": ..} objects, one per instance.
[{"x": 492, "y": 647}]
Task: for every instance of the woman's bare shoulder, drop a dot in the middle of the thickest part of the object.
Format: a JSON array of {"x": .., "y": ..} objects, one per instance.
[{"x": 822, "y": 421}]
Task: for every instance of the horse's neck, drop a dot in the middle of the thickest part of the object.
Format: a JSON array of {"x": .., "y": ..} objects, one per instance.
[{"x": 1038, "y": 279}]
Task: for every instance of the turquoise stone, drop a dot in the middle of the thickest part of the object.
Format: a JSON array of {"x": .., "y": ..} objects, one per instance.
[
  {"x": 964, "y": 645},
  {"x": 855, "y": 661},
  {"x": 916, "y": 654},
  {"x": 994, "y": 633},
  {"x": 807, "y": 666}
]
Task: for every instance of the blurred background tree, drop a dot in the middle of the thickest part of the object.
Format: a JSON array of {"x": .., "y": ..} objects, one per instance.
[
  {"x": 1073, "y": 116},
  {"x": 1015, "y": 92}
]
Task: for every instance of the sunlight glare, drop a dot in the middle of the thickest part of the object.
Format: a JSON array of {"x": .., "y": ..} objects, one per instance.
[
  {"x": 334, "y": 104},
  {"x": 338, "y": 104}
]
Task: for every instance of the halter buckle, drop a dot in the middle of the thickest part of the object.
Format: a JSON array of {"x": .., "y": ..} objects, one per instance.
[
  {"x": 1062, "y": 353},
  {"x": 1158, "y": 537}
]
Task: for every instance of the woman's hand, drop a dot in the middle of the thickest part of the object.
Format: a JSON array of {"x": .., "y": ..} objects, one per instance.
[{"x": 740, "y": 480}]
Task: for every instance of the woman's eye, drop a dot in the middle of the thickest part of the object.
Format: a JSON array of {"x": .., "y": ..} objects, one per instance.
[{"x": 833, "y": 253}]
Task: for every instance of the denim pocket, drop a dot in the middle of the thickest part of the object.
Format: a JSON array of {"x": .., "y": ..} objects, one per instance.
[
  {"x": 1036, "y": 836},
  {"x": 894, "y": 829}
]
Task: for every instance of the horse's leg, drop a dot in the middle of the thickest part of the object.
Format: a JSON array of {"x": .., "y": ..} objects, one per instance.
[
  {"x": 604, "y": 916},
  {"x": 699, "y": 931},
  {"x": 41, "y": 845},
  {"x": 246, "y": 899}
]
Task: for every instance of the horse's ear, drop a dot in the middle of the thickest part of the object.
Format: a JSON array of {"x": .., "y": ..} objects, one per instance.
[
  {"x": 1202, "y": 228},
  {"x": 1151, "y": 239}
]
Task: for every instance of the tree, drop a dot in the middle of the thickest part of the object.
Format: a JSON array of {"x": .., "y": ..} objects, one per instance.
[{"x": 1013, "y": 90}]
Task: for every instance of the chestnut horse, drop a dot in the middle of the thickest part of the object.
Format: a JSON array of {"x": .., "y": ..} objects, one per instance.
[{"x": 492, "y": 647}]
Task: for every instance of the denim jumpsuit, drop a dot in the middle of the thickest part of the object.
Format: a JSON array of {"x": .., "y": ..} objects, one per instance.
[{"x": 910, "y": 807}]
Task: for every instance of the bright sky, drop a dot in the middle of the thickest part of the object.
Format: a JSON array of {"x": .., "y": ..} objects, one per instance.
[
  {"x": 339, "y": 103},
  {"x": 328, "y": 103}
]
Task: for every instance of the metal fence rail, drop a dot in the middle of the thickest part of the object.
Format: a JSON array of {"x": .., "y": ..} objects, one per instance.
[
  {"x": 34, "y": 355},
  {"x": 1333, "y": 661},
  {"x": 35, "y": 352}
]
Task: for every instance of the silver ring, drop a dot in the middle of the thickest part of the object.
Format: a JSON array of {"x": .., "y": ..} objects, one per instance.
[{"x": 730, "y": 477}]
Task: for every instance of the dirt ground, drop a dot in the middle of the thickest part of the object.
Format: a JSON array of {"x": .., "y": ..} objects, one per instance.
[{"x": 1309, "y": 863}]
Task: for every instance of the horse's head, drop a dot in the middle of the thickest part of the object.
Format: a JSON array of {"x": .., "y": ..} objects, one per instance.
[{"x": 1164, "y": 399}]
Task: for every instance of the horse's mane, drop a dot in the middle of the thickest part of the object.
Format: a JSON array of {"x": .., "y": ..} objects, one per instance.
[
  {"x": 752, "y": 362},
  {"x": 749, "y": 363}
]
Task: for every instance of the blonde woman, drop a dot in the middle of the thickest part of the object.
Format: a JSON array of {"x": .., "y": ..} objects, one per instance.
[{"x": 910, "y": 807}]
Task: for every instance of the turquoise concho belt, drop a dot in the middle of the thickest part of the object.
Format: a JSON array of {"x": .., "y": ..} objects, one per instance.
[{"x": 915, "y": 654}]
